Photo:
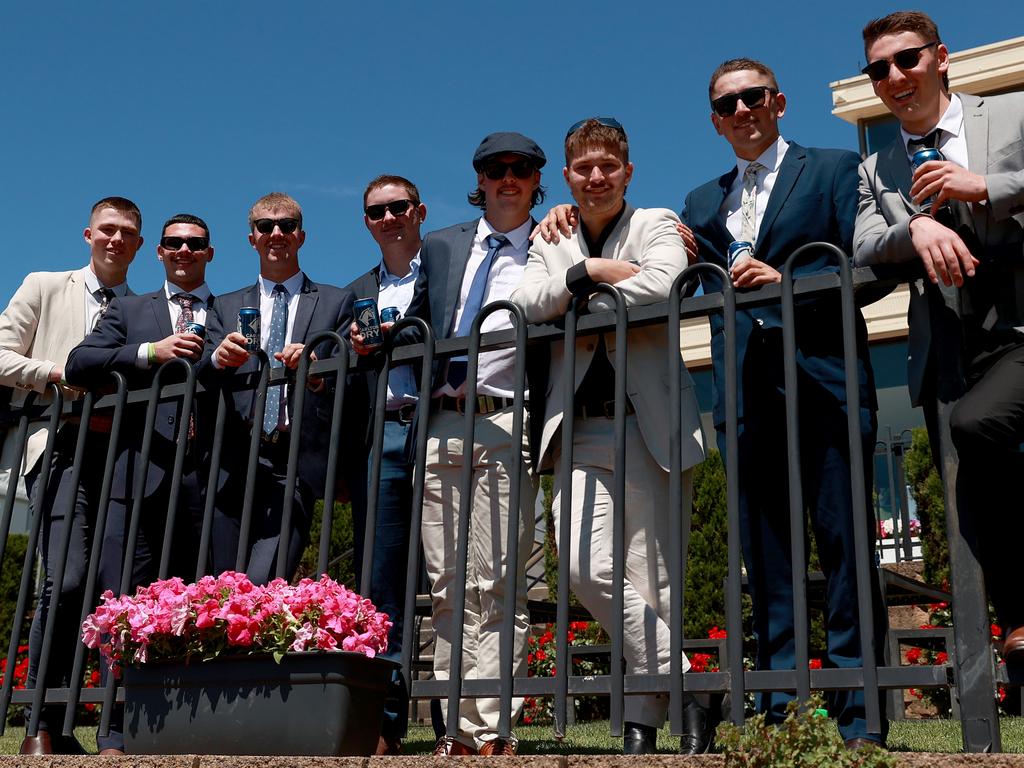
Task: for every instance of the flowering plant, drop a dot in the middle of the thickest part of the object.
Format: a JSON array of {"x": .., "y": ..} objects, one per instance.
[
  {"x": 174, "y": 620},
  {"x": 886, "y": 528}
]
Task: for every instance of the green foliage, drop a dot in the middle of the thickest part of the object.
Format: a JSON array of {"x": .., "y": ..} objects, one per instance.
[
  {"x": 340, "y": 563},
  {"x": 10, "y": 581},
  {"x": 926, "y": 487},
  {"x": 802, "y": 740},
  {"x": 708, "y": 559}
]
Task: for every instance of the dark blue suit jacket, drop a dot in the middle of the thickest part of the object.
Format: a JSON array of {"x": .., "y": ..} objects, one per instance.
[
  {"x": 321, "y": 308},
  {"x": 113, "y": 346},
  {"x": 814, "y": 199}
]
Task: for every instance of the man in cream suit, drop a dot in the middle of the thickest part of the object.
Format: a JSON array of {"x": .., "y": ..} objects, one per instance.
[
  {"x": 966, "y": 316},
  {"x": 640, "y": 252},
  {"x": 49, "y": 314}
]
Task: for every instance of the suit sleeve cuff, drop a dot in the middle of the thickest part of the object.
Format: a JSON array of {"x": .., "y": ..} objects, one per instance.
[{"x": 578, "y": 282}]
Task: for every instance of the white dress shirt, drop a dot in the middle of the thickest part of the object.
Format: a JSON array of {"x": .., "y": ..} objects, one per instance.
[
  {"x": 397, "y": 292},
  {"x": 952, "y": 138},
  {"x": 496, "y": 368},
  {"x": 731, "y": 210},
  {"x": 92, "y": 303},
  {"x": 199, "y": 307}
]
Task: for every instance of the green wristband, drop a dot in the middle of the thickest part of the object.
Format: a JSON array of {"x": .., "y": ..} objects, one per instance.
[{"x": 151, "y": 353}]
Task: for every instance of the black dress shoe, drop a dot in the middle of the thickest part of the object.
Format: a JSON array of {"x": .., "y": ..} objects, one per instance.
[
  {"x": 639, "y": 739},
  {"x": 36, "y": 745},
  {"x": 696, "y": 738}
]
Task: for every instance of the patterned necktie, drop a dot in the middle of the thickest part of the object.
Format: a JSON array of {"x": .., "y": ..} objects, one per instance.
[
  {"x": 474, "y": 302},
  {"x": 748, "y": 203},
  {"x": 278, "y": 327},
  {"x": 186, "y": 316},
  {"x": 104, "y": 296}
]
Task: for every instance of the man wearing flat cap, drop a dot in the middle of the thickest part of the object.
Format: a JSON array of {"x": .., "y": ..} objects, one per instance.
[{"x": 464, "y": 268}]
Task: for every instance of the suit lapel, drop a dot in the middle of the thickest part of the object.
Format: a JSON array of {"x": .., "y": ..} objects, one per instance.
[
  {"x": 162, "y": 314},
  {"x": 790, "y": 170},
  {"x": 899, "y": 165},
  {"x": 457, "y": 260},
  {"x": 76, "y": 301},
  {"x": 713, "y": 213},
  {"x": 304, "y": 311},
  {"x": 976, "y": 130}
]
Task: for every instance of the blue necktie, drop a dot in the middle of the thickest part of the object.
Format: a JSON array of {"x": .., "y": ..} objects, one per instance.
[
  {"x": 278, "y": 328},
  {"x": 474, "y": 302}
]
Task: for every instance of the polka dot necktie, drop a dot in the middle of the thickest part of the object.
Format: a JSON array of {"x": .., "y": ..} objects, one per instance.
[{"x": 278, "y": 327}]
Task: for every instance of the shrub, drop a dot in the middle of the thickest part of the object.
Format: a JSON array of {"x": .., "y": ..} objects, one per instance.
[
  {"x": 10, "y": 581},
  {"x": 341, "y": 565},
  {"x": 926, "y": 488}
]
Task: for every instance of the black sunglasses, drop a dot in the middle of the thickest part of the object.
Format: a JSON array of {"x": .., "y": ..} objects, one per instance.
[
  {"x": 396, "y": 207},
  {"x": 752, "y": 98},
  {"x": 172, "y": 243},
  {"x": 266, "y": 226},
  {"x": 905, "y": 59},
  {"x": 495, "y": 169},
  {"x": 607, "y": 122}
]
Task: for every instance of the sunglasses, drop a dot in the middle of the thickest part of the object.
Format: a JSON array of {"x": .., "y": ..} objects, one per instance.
[
  {"x": 395, "y": 207},
  {"x": 752, "y": 98},
  {"x": 192, "y": 243},
  {"x": 495, "y": 169},
  {"x": 266, "y": 226},
  {"x": 607, "y": 122},
  {"x": 905, "y": 59}
]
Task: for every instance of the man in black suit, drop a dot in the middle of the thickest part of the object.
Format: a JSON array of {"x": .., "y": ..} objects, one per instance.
[
  {"x": 393, "y": 214},
  {"x": 135, "y": 337},
  {"x": 293, "y": 310},
  {"x": 464, "y": 268},
  {"x": 780, "y": 196}
]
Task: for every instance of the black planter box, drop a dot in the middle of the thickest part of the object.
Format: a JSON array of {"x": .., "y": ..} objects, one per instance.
[{"x": 309, "y": 704}]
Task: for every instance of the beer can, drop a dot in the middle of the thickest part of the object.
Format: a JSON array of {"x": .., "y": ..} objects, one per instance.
[
  {"x": 368, "y": 321},
  {"x": 922, "y": 156},
  {"x": 249, "y": 326},
  {"x": 197, "y": 328},
  {"x": 390, "y": 315},
  {"x": 740, "y": 249}
]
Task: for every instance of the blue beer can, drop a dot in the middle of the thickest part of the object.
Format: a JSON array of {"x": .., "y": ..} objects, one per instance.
[
  {"x": 390, "y": 315},
  {"x": 922, "y": 156},
  {"x": 368, "y": 321},
  {"x": 739, "y": 249},
  {"x": 197, "y": 328},
  {"x": 249, "y": 326}
]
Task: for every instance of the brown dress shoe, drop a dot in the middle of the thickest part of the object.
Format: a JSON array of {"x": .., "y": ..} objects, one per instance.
[
  {"x": 499, "y": 746},
  {"x": 110, "y": 751},
  {"x": 36, "y": 745},
  {"x": 388, "y": 745},
  {"x": 451, "y": 747},
  {"x": 1013, "y": 645}
]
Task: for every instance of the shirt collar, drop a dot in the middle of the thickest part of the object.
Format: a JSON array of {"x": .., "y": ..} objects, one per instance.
[
  {"x": 771, "y": 158},
  {"x": 93, "y": 284},
  {"x": 518, "y": 237},
  {"x": 414, "y": 270},
  {"x": 293, "y": 284},
  {"x": 202, "y": 292},
  {"x": 952, "y": 122}
]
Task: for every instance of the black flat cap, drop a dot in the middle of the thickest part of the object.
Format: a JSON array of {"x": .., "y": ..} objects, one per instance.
[{"x": 501, "y": 143}]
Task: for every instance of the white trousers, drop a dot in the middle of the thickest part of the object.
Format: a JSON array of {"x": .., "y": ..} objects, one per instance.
[{"x": 481, "y": 623}]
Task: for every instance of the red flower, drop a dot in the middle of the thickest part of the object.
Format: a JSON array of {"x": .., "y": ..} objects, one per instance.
[
  {"x": 540, "y": 655},
  {"x": 997, "y": 632},
  {"x": 941, "y": 657},
  {"x": 814, "y": 664},
  {"x": 716, "y": 634},
  {"x": 913, "y": 655}
]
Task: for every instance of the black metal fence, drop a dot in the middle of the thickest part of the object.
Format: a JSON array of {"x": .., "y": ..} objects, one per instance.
[{"x": 970, "y": 673}]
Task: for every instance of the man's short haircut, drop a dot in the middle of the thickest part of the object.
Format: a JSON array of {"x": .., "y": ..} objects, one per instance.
[
  {"x": 121, "y": 205},
  {"x": 918, "y": 22},
  {"x": 739, "y": 65},
  {"x": 185, "y": 218},
  {"x": 385, "y": 180},
  {"x": 275, "y": 201},
  {"x": 476, "y": 197},
  {"x": 594, "y": 134}
]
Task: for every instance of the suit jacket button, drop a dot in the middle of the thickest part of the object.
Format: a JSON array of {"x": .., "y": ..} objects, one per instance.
[
  {"x": 760, "y": 321},
  {"x": 170, "y": 419}
]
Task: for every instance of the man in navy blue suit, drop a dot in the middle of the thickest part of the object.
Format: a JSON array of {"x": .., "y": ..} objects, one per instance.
[
  {"x": 780, "y": 196},
  {"x": 135, "y": 337},
  {"x": 293, "y": 309}
]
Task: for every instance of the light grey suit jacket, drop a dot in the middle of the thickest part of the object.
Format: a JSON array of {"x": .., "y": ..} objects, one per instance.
[
  {"x": 994, "y": 129},
  {"x": 39, "y": 328},
  {"x": 649, "y": 237}
]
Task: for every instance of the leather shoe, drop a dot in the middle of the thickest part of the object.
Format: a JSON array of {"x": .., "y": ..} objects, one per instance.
[
  {"x": 111, "y": 751},
  {"x": 860, "y": 743},
  {"x": 639, "y": 739},
  {"x": 696, "y": 738},
  {"x": 451, "y": 747},
  {"x": 1013, "y": 645},
  {"x": 499, "y": 746},
  {"x": 45, "y": 744},
  {"x": 388, "y": 745}
]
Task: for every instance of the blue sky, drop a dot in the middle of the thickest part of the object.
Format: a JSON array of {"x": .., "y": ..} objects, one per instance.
[{"x": 204, "y": 106}]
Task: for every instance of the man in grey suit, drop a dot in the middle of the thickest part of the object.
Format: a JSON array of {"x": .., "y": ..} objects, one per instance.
[
  {"x": 49, "y": 314},
  {"x": 966, "y": 316},
  {"x": 639, "y": 251}
]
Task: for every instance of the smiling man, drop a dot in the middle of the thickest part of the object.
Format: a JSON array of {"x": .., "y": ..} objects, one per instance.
[
  {"x": 778, "y": 197},
  {"x": 638, "y": 251},
  {"x": 967, "y": 314}
]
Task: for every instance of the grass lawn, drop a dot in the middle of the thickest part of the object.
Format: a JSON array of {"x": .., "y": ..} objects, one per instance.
[{"x": 593, "y": 738}]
